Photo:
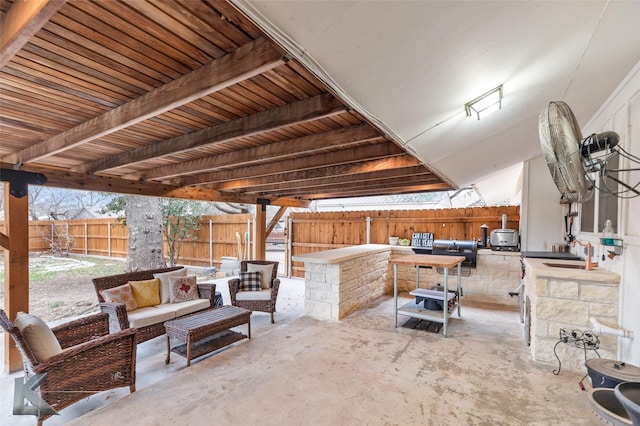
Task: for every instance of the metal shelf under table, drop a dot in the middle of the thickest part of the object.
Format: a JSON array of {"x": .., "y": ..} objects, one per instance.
[{"x": 411, "y": 309}]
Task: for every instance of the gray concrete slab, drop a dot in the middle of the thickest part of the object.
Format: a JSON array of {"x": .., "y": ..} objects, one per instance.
[{"x": 357, "y": 371}]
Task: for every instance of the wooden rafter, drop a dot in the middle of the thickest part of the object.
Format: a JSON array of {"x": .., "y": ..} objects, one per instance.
[
  {"x": 332, "y": 159},
  {"x": 307, "y": 109},
  {"x": 243, "y": 63},
  {"x": 366, "y": 192},
  {"x": 347, "y": 187},
  {"x": 304, "y": 145},
  {"x": 21, "y": 22},
  {"x": 289, "y": 182},
  {"x": 71, "y": 180}
]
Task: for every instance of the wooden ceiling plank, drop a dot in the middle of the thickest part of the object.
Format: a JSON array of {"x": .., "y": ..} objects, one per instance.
[
  {"x": 82, "y": 77},
  {"x": 127, "y": 52},
  {"x": 54, "y": 86},
  {"x": 136, "y": 36},
  {"x": 228, "y": 31},
  {"x": 70, "y": 180},
  {"x": 23, "y": 20},
  {"x": 250, "y": 59},
  {"x": 307, "y": 109},
  {"x": 369, "y": 158},
  {"x": 300, "y": 146},
  {"x": 71, "y": 59},
  {"x": 191, "y": 37}
]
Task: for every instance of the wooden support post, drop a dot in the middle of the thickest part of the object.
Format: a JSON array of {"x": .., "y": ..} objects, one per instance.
[
  {"x": 259, "y": 234},
  {"x": 16, "y": 273}
]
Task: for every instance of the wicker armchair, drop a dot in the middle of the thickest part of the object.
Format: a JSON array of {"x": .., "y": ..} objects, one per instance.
[
  {"x": 91, "y": 361},
  {"x": 267, "y": 301}
]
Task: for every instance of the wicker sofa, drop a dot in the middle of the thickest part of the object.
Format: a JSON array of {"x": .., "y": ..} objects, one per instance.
[{"x": 149, "y": 321}]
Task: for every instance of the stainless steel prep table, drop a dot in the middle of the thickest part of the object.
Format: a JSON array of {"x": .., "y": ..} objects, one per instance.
[{"x": 411, "y": 309}]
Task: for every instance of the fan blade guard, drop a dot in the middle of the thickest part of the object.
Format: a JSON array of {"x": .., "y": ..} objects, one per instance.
[{"x": 560, "y": 139}]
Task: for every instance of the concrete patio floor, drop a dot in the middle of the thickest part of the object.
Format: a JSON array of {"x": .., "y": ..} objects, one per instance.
[{"x": 361, "y": 370}]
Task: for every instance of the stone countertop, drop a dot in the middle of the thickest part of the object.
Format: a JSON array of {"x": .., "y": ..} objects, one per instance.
[
  {"x": 341, "y": 254},
  {"x": 536, "y": 267},
  {"x": 486, "y": 251}
]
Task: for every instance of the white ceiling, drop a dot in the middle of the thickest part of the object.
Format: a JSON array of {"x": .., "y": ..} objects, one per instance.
[{"x": 412, "y": 65}]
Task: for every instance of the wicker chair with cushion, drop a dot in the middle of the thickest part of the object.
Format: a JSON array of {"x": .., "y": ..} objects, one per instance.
[
  {"x": 262, "y": 299},
  {"x": 80, "y": 357}
]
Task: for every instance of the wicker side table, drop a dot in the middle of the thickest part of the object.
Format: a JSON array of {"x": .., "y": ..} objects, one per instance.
[{"x": 204, "y": 332}]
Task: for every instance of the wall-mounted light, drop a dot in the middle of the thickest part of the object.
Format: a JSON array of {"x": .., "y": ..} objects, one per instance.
[{"x": 485, "y": 104}]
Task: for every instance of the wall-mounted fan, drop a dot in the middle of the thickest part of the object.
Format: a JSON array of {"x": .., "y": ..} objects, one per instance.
[{"x": 579, "y": 165}]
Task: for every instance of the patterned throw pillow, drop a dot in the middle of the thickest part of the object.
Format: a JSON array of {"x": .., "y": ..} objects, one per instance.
[
  {"x": 146, "y": 292},
  {"x": 250, "y": 281},
  {"x": 183, "y": 289},
  {"x": 267, "y": 272},
  {"x": 121, "y": 294}
]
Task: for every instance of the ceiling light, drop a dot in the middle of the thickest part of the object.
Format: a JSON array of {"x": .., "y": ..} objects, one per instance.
[{"x": 485, "y": 104}]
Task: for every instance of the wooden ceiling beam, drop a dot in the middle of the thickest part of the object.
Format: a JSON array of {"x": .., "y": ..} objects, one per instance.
[
  {"x": 307, "y": 109},
  {"x": 70, "y": 180},
  {"x": 286, "y": 181},
  {"x": 249, "y": 60},
  {"x": 347, "y": 172},
  {"x": 365, "y": 156},
  {"x": 381, "y": 191},
  {"x": 305, "y": 145},
  {"x": 24, "y": 19},
  {"x": 346, "y": 187}
]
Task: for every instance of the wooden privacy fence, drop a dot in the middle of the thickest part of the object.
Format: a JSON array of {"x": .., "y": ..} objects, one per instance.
[
  {"x": 215, "y": 239},
  {"x": 305, "y": 233},
  {"x": 311, "y": 232}
]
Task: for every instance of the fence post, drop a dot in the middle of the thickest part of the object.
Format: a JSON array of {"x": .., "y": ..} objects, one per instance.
[
  {"x": 250, "y": 254},
  {"x": 210, "y": 243},
  {"x": 86, "y": 239},
  {"x": 289, "y": 248},
  {"x": 368, "y": 230},
  {"x": 108, "y": 239}
]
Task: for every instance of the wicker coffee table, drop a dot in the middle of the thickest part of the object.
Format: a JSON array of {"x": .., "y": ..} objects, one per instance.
[{"x": 206, "y": 331}]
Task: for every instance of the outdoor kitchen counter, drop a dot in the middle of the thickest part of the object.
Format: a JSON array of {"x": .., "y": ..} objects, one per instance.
[
  {"x": 338, "y": 282},
  {"x": 342, "y": 254},
  {"x": 559, "y": 298}
]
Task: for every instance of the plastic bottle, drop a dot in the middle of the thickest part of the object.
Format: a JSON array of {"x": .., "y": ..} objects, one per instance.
[{"x": 608, "y": 233}]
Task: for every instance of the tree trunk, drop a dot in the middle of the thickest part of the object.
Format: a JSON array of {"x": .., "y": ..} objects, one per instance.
[{"x": 144, "y": 223}]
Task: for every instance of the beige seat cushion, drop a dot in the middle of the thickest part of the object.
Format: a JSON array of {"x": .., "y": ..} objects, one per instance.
[
  {"x": 38, "y": 335},
  {"x": 190, "y": 306},
  {"x": 266, "y": 270},
  {"x": 144, "y": 317},
  {"x": 253, "y": 295},
  {"x": 150, "y": 315}
]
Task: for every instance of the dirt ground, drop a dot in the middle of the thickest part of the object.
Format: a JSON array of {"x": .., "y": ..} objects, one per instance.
[{"x": 60, "y": 287}]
